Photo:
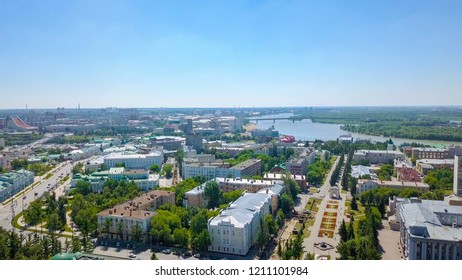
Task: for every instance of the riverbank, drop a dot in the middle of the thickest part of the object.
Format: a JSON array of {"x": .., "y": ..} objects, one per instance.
[{"x": 308, "y": 130}]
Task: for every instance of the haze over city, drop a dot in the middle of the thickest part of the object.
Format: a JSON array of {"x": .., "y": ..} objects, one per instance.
[{"x": 238, "y": 53}]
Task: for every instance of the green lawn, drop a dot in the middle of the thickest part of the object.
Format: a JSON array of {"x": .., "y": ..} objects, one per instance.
[{"x": 357, "y": 214}]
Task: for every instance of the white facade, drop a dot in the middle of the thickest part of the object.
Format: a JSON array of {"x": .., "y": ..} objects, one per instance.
[
  {"x": 430, "y": 230},
  {"x": 378, "y": 156},
  {"x": 136, "y": 161},
  {"x": 13, "y": 182},
  {"x": 234, "y": 231},
  {"x": 366, "y": 185}
]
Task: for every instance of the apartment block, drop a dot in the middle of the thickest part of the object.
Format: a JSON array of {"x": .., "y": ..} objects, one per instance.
[{"x": 137, "y": 212}]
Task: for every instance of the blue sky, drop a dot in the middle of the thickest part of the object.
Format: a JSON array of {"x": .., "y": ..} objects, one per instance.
[{"x": 230, "y": 53}]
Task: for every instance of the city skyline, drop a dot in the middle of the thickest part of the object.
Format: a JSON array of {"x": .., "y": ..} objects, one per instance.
[{"x": 235, "y": 54}]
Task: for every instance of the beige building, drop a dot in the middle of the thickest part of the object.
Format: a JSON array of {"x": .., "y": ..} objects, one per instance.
[
  {"x": 123, "y": 217},
  {"x": 366, "y": 185},
  {"x": 423, "y": 166},
  {"x": 430, "y": 153}
]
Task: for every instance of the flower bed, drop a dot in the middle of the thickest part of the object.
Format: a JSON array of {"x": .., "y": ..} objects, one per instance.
[
  {"x": 326, "y": 233},
  {"x": 330, "y": 214},
  {"x": 325, "y": 226},
  {"x": 329, "y": 220}
]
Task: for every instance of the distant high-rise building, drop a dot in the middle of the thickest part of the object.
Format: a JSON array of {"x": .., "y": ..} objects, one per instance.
[
  {"x": 458, "y": 175},
  {"x": 195, "y": 141}
]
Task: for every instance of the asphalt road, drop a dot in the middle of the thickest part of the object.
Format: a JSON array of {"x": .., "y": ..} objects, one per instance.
[{"x": 22, "y": 201}]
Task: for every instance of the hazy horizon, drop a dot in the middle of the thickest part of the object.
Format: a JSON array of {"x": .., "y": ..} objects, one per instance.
[{"x": 213, "y": 54}]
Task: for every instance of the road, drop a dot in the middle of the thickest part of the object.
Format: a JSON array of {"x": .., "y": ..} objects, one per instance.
[{"x": 22, "y": 201}]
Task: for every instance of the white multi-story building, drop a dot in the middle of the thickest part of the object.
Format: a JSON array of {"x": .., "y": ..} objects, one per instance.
[
  {"x": 430, "y": 229},
  {"x": 378, "y": 156},
  {"x": 234, "y": 231},
  {"x": 213, "y": 170},
  {"x": 141, "y": 177},
  {"x": 135, "y": 161}
]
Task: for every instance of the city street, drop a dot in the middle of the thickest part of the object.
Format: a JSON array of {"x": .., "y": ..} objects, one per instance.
[{"x": 21, "y": 202}]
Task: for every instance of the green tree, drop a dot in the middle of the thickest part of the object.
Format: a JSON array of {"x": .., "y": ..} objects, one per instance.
[
  {"x": 53, "y": 222},
  {"x": 76, "y": 245},
  {"x": 291, "y": 187},
  {"x": 78, "y": 168},
  {"x": 107, "y": 226},
  {"x": 343, "y": 232},
  {"x": 262, "y": 235},
  {"x": 297, "y": 247},
  {"x": 280, "y": 218},
  {"x": 203, "y": 241},
  {"x": 213, "y": 193},
  {"x": 271, "y": 224},
  {"x": 181, "y": 237},
  {"x": 83, "y": 187},
  {"x": 354, "y": 204},
  {"x": 287, "y": 204},
  {"x": 315, "y": 177},
  {"x": 167, "y": 169},
  {"x": 154, "y": 256},
  {"x": 351, "y": 230},
  {"x": 137, "y": 233},
  {"x": 154, "y": 168},
  {"x": 18, "y": 164},
  {"x": 62, "y": 211},
  {"x": 33, "y": 214},
  {"x": 385, "y": 172}
]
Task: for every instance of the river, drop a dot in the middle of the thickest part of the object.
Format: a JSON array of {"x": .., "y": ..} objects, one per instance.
[{"x": 306, "y": 130}]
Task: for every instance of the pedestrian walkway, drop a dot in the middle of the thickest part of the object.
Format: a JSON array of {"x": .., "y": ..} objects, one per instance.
[{"x": 327, "y": 220}]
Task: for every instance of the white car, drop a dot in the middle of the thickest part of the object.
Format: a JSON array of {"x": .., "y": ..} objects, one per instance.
[{"x": 132, "y": 256}]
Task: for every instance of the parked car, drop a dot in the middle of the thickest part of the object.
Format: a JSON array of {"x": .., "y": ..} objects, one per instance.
[
  {"x": 166, "y": 251},
  {"x": 177, "y": 253},
  {"x": 187, "y": 254},
  {"x": 132, "y": 256},
  {"x": 197, "y": 255}
]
